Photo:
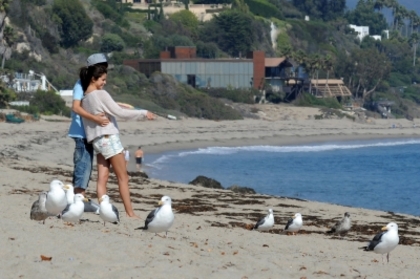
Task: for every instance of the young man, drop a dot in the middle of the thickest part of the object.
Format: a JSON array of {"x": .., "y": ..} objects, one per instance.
[
  {"x": 83, "y": 152},
  {"x": 139, "y": 158}
]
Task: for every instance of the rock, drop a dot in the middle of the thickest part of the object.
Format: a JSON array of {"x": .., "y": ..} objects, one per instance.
[
  {"x": 206, "y": 182},
  {"x": 241, "y": 189}
]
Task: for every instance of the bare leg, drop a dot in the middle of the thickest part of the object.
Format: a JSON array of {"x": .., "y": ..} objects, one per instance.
[
  {"x": 118, "y": 164},
  {"x": 103, "y": 175}
]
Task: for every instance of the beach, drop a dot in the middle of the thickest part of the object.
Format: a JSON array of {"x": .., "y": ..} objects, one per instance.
[{"x": 211, "y": 236}]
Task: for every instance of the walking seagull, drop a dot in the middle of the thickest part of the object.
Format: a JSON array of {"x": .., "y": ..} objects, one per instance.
[
  {"x": 342, "y": 226},
  {"x": 161, "y": 218},
  {"x": 265, "y": 223},
  {"x": 294, "y": 224},
  {"x": 384, "y": 242}
]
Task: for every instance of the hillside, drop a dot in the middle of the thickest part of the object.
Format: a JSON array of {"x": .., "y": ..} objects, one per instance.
[{"x": 51, "y": 40}]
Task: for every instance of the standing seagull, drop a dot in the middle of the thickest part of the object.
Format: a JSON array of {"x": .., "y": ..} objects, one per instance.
[
  {"x": 73, "y": 212},
  {"x": 107, "y": 211},
  {"x": 342, "y": 226},
  {"x": 56, "y": 198},
  {"x": 38, "y": 210},
  {"x": 384, "y": 242},
  {"x": 265, "y": 223},
  {"x": 294, "y": 224},
  {"x": 90, "y": 206},
  {"x": 160, "y": 219}
]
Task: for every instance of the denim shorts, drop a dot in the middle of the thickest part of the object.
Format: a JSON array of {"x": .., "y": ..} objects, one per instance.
[
  {"x": 108, "y": 145},
  {"x": 82, "y": 160}
]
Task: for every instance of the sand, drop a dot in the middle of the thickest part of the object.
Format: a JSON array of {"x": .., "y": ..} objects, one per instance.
[{"x": 210, "y": 237}]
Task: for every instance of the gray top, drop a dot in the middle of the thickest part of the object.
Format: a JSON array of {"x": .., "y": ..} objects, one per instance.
[{"x": 99, "y": 101}]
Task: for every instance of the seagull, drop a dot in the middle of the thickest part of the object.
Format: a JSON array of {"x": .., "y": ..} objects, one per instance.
[
  {"x": 69, "y": 190},
  {"x": 90, "y": 206},
  {"x": 384, "y": 242},
  {"x": 73, "y": 212},
  {"x": 38, "y": 210},
  {"x": 160, "y": 219},
  {"x": 342, "y": 226},
  {"x": 56, "y": 198},
  {"x": 294, "y": 224},
  {"x": 265, "y": 223},
  {"x": 107, "y": 211}
]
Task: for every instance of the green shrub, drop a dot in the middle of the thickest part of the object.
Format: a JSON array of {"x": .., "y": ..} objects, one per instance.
[
  {"x": 245, "y": 96},
  {"x": 49, "y": 102},
  {"x": 264, "y": 8},
  {"x": 112, "y": 42},
  {"x": 308, "y": 100}
]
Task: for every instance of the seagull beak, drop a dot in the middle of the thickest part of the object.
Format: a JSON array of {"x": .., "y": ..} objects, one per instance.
[
  {"x": 66, "y": 187},
  {"x": 100, "y": 200},
  {"x": 384, "y": 228},
  {"x": 86, "y": 200},
  {"x": 160, "y": 203}
]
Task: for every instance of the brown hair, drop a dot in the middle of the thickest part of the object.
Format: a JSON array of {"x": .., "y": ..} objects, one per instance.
[{"x": 94, "y": 72}]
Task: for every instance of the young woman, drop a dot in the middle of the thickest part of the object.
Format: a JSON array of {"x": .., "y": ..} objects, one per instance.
[{"x": 105, "y": 139}]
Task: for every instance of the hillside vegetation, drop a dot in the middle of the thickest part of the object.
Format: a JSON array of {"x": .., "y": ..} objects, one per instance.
[{"x": 56, "y": 36}]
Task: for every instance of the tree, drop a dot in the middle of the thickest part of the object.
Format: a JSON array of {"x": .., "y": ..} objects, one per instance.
[
  {"x": 49, "y": 102},
  {"x": 322, "y": 9},
  {"x": 414, "y": 42},
  {"x": 232, "y": 31},
  {"x": 240, "y": 5},
  {"x": 371, "y": 68},
  {"x": 6, "y": 34},
  {"x": 364, "y": 15},
  {"x": 6, "y": 96},
  {"x": 328, "y": 65},
  {"x": 187, "y": 19},
  {"x": 74, "y": 24}
]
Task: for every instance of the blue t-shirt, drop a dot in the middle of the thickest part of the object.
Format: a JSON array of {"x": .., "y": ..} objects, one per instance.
[{"x": 76, "y": 127}]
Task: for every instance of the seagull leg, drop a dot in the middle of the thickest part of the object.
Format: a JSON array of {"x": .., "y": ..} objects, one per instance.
[{"x": 387, "y": 257}]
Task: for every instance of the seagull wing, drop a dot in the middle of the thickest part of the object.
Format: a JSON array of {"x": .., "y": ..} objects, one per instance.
[
  {"x": 67, "y": 209},
  {"x": 91, "y": 206},
  {"x": 115, "y": 210},
  {"x": 375, "y": 241},
  {"x": 259, "y": 223},
  {"x": 289, "y": 223}
]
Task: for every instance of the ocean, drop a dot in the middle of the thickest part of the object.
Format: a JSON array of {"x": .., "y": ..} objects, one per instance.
[{"x": 375, "y": 174}]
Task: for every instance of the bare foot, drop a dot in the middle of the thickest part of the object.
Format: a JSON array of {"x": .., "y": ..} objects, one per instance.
[{"x": 133, "y": 216}]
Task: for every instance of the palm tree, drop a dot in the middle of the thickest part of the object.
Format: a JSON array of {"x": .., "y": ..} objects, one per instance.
[
  {"x": 379, "y": 5},
  {"x": 299, "y": 57},
  {"x": 412, "y": 15},
  {"x": 414, "y": 41},
  {"x": 5, "y": 37},
  {"x": 328, "y": 65}
]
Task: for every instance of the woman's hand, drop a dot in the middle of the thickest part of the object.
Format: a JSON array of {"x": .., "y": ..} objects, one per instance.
[{"x": 150, "y": 115}]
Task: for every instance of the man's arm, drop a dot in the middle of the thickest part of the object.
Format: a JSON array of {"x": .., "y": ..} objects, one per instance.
[{"x": 100, "y": 118}]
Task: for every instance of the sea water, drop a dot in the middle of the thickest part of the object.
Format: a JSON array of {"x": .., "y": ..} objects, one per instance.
[{"x": 375, "y": 174}]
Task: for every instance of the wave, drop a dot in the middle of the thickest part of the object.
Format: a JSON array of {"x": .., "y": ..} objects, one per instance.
[
  {"x": 285, "y": 149},
  {"x": 297, "y": 148}
]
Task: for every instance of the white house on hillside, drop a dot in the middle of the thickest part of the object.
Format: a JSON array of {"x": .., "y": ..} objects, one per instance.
[{"x": 362, "y": 31}]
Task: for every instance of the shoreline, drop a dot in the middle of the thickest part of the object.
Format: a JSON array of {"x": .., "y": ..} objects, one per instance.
[{"x": 273, "y": 141}]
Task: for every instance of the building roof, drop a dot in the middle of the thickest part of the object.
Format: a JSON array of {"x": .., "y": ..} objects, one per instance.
[{"x": 274, "y": 62}]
